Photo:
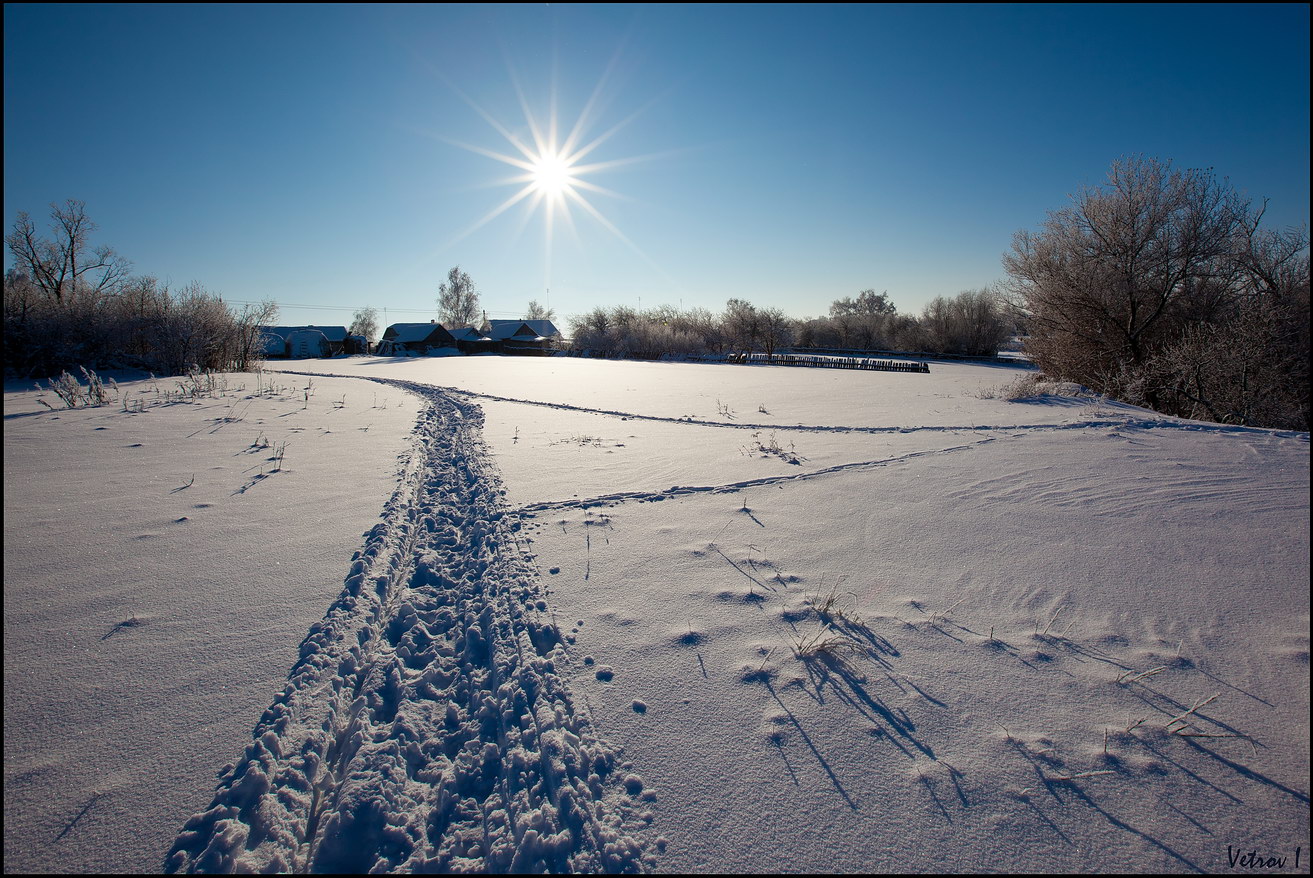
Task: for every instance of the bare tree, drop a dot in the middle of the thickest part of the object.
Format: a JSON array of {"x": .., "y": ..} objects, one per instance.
[
  {"x": 458, "y": 302},
  {"x": 65, "y": 264},
  {"x": 776, "y": 330},
  {"x": 1252, "y": 370},
  {"x": 742, "y": 324},
  {"x": 1107, "y": 280},
  {"x": 1275, "y": 263},
  {"x": 536, "y": 311},
  {"x": 365, "y": 322},
  {"x": 859, "y": 322},
  {"x": 1252, "y": 366},
  {"x": 250, "y": 322},
  {"x": 971, "y": 323},
  {"x": 1163, "y": 290},
  {"x": 867, "y": 303}
]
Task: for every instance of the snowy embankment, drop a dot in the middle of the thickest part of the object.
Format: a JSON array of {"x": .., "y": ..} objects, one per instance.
[{"x": 725, "y": 618}]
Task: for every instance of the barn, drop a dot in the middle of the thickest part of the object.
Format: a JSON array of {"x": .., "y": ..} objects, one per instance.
[
  {"x": 304, "y": 343},
  {"x": 277, "y": 338}
]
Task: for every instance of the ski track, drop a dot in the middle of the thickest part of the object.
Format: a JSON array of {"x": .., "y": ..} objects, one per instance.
[
  {"x": 425, "y": 726},
  {"x": 619, "y": 497},
  {"x": 1126, "y": 421}
]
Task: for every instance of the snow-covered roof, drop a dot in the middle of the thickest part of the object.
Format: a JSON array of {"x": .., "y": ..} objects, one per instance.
[
  {"x": 332, "y": 333},
  {"x": 504, "y": 329},
  {"x": 412, "y": 332},
  {"x": 468, "y": 333}
]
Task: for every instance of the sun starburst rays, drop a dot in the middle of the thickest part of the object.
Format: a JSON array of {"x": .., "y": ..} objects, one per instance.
[{"x": 552, "y": 172}]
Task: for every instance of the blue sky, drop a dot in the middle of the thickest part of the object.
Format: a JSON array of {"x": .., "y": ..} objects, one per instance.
[{"x": 789, "y": 155}]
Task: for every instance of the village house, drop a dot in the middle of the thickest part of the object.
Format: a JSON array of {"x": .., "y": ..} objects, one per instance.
[
  {"x": 525, "y": 337},
  {"x": 470, "y": 341},
  {"x": 401, "y": 339}
]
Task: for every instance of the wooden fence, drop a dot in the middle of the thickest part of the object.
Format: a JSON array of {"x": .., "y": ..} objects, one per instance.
[
  {"x": 930, "y": 355},
  {"x": 824, "y": 362}
]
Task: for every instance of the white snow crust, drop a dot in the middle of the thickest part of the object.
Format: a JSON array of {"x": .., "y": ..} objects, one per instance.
[{"x": 612, "y": 616}]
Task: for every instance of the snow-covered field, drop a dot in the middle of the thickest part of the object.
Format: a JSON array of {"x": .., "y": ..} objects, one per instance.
[{"x": 592, "y": 615}]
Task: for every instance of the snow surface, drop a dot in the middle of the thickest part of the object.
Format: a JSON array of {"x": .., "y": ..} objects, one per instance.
[
  {"x": 577, "y": 633},
  {"x": 115, "y": 728}
]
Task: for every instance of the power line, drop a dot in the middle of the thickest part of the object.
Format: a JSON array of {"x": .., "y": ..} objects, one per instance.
[{"x": 354, "y": 308}]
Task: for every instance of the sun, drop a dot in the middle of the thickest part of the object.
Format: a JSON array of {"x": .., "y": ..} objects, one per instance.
[
  {"x": 553, "y": 178},
  {"x": 552, "y": 174}
]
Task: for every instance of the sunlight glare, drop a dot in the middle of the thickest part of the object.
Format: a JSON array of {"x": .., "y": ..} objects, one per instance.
[{"x": 552, "y": 174}]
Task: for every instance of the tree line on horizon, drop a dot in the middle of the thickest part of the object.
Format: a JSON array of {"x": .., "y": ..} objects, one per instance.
[
  {"x": 972, "y": 323},
  {"x": 1161, "y": 288}
]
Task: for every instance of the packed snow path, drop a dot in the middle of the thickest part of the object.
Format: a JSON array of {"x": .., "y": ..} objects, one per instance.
[{"x": 425, "y": 726}]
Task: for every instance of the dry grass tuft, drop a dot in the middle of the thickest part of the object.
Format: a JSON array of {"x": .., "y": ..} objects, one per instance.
[
  {"x": 941, "y": 615},
  {"x": 1128, "y": 678},
  {"x": 1182, "y": 718},
  {"x": 1067, "y": 778},
  {"x": 830, "y": 606},
  {"x": 1032, "y": 385},
  {"x": 824, "y": 644},
  {"x": 67, "y": 388}
]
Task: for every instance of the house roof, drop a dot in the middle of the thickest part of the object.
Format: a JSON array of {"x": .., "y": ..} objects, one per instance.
[
  {"x": 504, "y": 329},
  {"x": 468, "y": 333},
  {"x": 332, "y": 333},
  {"x": 407, "y": 333}
]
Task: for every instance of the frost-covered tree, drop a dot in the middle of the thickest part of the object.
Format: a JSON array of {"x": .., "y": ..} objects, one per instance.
[
  {"x": 1162, "y": 289},
  {"x": 776, "y": 330},
  {"x": 1107, "y": 280},
  {"x": 458, "y": 302},
  {"x": 742, "y": 323},
  {"x": 536, "y": 311},
  {"x": 67, "y": 304},
  {"x": 972, "y": 323},
  {"x": 365, "y": 322},
  {"x": 868, "y": 303}
]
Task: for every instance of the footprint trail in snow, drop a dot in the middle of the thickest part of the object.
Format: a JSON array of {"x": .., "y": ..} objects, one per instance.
[{"x": 426, "y": 726}]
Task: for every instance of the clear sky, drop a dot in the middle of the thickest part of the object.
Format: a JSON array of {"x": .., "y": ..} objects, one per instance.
[{"x": 336, "y": 156}]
